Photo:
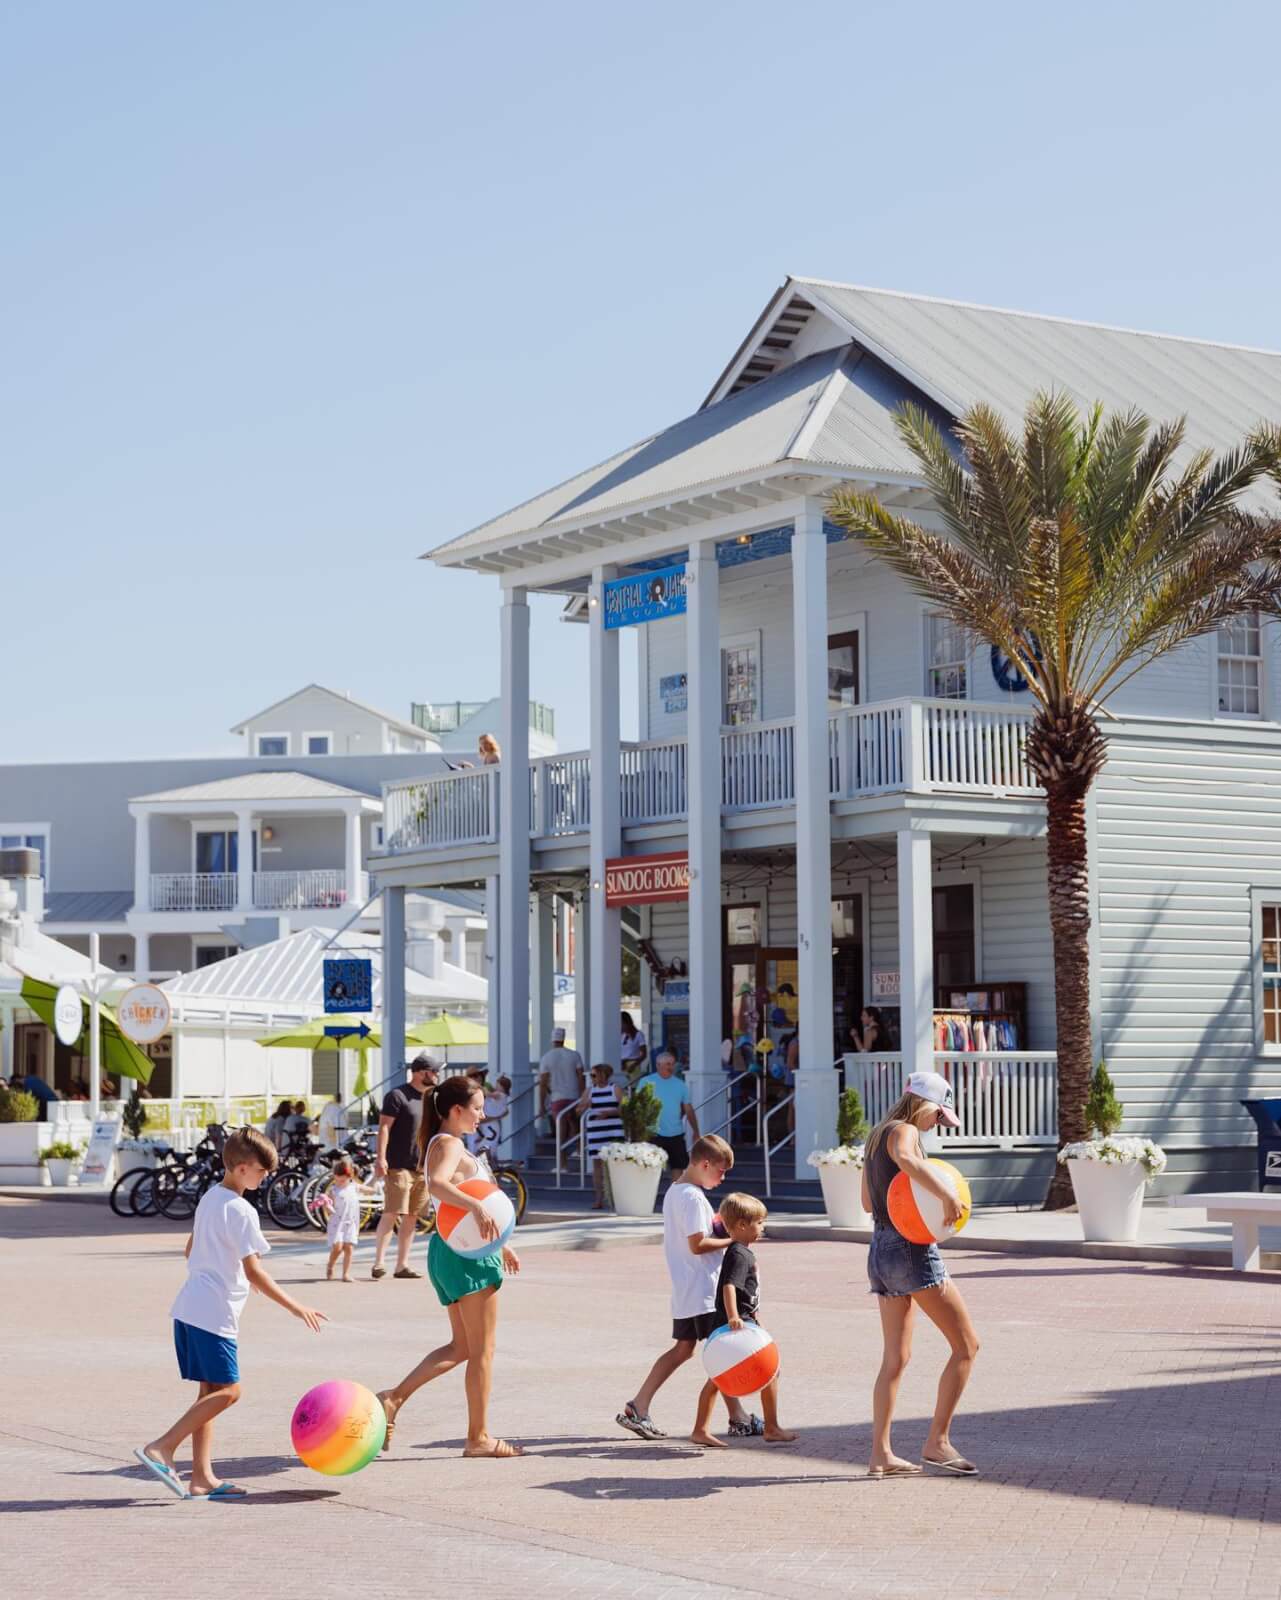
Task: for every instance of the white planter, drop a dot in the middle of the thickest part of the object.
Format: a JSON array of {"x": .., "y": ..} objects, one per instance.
[
  {"x": 1109, "y": 1197},
  {"x": 843, "y": 1194},
  {"x": 20, "y": 1147},
  {"x": 132, "y": 1154},
  {"x": 635, "y": 1188},
  {"x": 59, "y": 1173}
]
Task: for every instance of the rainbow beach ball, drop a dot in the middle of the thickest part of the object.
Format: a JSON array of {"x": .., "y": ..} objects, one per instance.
[
  {"x": 459, "y": 1229},
  {"x": 338, "y": 1428},
  {"x": 918, "y": 1214},
  {"x": 739, "y": 1362}
]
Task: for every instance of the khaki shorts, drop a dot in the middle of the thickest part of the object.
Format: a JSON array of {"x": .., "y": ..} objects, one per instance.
[{"x": 404, "y": 1193}]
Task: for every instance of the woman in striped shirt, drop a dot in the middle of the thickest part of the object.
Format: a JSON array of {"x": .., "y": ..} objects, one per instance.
[{"x": 602, "y": 1116}]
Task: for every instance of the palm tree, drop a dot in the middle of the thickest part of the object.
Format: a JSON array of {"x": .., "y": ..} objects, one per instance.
[{"x": 1084, "y": 550}]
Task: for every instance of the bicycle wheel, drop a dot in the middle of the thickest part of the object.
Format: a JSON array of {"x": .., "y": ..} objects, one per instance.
[
  {"x": 312, "y": 1199},
  {"x": 122, "y": 1190},
  {"x": 142, "y": 1196},
  {"x": 179, "y": 1193},
  {"x": 511, "y": 1182},
  {"x": 284, "y": 1199}
]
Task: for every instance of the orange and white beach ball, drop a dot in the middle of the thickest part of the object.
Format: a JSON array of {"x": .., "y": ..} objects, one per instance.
[
  {"x": 740, "y": 1362},
  {"x": 918, "y": 1214},
  {"x": 460, "y": 1230}
]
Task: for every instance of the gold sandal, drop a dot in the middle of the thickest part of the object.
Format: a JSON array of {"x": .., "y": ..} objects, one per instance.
[{"x": 383, "y": 1396}]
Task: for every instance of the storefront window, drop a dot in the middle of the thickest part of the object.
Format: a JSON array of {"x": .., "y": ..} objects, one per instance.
[
  {"x": 740, "y": 674},
  {"x": 847, "y": 917},
  {"x": 954, "y": 934},
  {"x": 742, "y": 925}
]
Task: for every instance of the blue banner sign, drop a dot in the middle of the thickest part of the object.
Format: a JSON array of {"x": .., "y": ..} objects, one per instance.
[
  {"x": 349, "y": 984},
  {"x": 646, "y": 597}
]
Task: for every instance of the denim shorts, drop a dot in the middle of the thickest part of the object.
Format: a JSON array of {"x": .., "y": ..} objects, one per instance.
[{"x": 896, "y": 1266}]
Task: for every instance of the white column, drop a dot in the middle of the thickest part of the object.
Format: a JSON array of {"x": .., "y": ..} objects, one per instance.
[
  {"x": 816, "y": 1085},
  {"x": 142, "y": 956},
  {"x": 244, "y": 861},
  {"x": 604, "y": 926},
  {"x": 513, "y": 842},
  {"x": 95, "y": 1033},
  {"x": 916, "y": 950},
  {"x": 542, "y": 984},
  {"x": 489, "y": 971},
  {"x": 582, "y": 978},
  {"x": 351, "y": 858},
  {"x": 703, "y": 768},
  {"x": 142, "y": 861},
  {"x": 393, "y": 1013}
]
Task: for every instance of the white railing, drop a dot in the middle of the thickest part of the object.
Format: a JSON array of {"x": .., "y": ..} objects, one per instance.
[
  {"x": 1003, "y": 1097},
  {"x": 758, "y": 765},
  {"x": 454, "y": 808},
  {"x": 193, "y": 891},
  {"x": 911, "y": 745},
  {"x": 311, "y": 890}
]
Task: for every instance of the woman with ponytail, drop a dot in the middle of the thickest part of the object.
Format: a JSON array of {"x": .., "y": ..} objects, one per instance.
[{"x": 467, "y": 1289}]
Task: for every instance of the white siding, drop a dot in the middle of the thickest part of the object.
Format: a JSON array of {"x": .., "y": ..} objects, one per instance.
[{"x": 1185, "y": 828}]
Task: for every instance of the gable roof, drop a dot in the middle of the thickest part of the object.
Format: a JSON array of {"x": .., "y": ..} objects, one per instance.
[
  {"x": 345, "y": 699},
  {"x": 259, "y": 786},
  {"x": 776, "y": 407}
]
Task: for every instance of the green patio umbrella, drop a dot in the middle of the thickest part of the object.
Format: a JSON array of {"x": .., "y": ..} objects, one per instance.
[
  {"x": 447, "y": 1029},
  {"x": 121, "y": 1057},
  {"x": 315, "y": 1035}
]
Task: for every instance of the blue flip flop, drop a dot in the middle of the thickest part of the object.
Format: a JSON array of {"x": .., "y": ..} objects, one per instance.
[
  {"x": 166, "y": 1474},
  {"x": 224, "y": 1491}
]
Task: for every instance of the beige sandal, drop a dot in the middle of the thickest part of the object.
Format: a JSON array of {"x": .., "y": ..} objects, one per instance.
[
  {"x": 383, "y": 1397},
  {"x": 501, "y": 1450}
]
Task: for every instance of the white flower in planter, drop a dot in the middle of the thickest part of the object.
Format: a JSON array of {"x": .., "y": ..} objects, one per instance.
[
  {"x": 642, "y": 1155},
  {"x": 1116, "y": 1151},
  {"x": 842, "y": 1155}
]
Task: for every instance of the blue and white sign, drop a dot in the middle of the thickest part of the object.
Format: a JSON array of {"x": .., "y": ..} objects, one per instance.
[
  {"x": 349, "y": 984},
  {"x": 647, "y": 597},
  {"x": 676, "y": 989},
  {"x": 674, "y": 691}
]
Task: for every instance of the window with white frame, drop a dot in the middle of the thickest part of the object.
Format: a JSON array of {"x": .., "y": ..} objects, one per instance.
[
  {"x": 1240, "y": 667},
  {"x": 316, "y": 744},
  {"x": 1267, "y": 970},
  {"x": 27, "y": 836},
  {"x": 740, "y": 684},
  {"x": 273, "y": 744},
  {"x": 947, "y": 657}
]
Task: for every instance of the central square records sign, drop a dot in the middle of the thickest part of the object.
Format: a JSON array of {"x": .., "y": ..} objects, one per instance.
[{"x": 645, "y": 597}]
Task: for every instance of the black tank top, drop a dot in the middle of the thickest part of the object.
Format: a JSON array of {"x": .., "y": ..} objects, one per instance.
[{"x": 882, "y": 1169}]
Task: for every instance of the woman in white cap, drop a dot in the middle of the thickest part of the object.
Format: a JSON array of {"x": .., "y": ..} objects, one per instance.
[{"x": 904, "y": 1275}]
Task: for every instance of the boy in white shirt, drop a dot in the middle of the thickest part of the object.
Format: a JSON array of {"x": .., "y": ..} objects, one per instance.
[
  {"x": 223, "y": 1260},
  {"x": 694, "y": 1255}
]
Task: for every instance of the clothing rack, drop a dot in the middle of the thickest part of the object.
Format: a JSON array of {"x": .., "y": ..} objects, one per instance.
[{"x": 982, "y": 1017}]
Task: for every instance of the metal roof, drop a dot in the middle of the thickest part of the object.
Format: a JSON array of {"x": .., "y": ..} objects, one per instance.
[
  {"x": 287, "y": 975},
  {"x": 347, "y": 700},
  {"x": 87, "y": 905},
  {"x": 836, "y": 407},
  {"x": 259, "y": 786}
]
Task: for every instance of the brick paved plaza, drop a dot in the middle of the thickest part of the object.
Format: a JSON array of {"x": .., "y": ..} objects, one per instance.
[{"x": 1125, "y": 1418}]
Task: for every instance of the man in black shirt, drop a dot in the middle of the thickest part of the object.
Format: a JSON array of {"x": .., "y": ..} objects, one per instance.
[{"x": 404, "y": 1186}]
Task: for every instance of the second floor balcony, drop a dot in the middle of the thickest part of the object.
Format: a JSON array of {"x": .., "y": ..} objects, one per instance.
[
  {"x": 317, "y": 889},
  {"x": 907, "y": 746}
]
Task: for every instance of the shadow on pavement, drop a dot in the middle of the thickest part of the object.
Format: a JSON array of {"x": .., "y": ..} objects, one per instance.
[
  {"x": 22, "y": 1507},
  {"x": 235, "y": 1467},
  {"x": 699, "y": 1488}
]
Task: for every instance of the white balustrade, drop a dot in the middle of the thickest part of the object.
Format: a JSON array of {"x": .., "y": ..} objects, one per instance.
[
  {"x": 310, "y": 890},
  {"x": 1003, "y": 1097},
  {"x": 454, "y": 808},
  {"x": 976, "y": 747},
  {"x": 560, "y": 795},
  {"x": 758, "y": 765},
  {"x": 653, "y": 781},
  {"x": 193, "y": 891}
]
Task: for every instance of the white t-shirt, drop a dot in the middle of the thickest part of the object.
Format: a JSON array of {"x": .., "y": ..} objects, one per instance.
[
  {"x": 333, "y": 1121},
  {"x": 630, "y": 1049},
  {"x": 687, "y": 1210},
  {"x": 224, "y": 1231},
  {"x": 562, "y": 1067}
]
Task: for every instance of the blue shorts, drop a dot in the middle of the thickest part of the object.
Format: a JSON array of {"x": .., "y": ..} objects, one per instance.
[
  {"x": 896, "y": 1266},
  {"x": 205, "y": 1357}
]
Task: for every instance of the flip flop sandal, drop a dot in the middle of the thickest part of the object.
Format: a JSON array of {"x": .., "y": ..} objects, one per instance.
[
  {"x": 956, "y": 1464},
  {"x": 224, "y": 1491},
  {"x": 642, "y": 1427},
  {"x": 381, "y": 1398},
  {"x": 166, "y": 1474},
  {"x": 894, "y": 1472},
  {"x": 752, "y": 1428}
]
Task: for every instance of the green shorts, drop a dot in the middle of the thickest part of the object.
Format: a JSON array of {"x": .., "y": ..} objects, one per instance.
[{"x": 453, "y": 1277}]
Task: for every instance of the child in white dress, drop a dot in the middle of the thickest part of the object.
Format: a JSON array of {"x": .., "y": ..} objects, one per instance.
[{"x": 344, "y": 1218}]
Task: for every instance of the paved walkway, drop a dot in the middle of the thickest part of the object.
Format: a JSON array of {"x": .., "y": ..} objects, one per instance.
[{"x": 1124, "y": 1415}]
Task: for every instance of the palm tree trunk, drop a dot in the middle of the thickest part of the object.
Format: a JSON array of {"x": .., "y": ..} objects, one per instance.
[{"x": 1068, "y": 873}]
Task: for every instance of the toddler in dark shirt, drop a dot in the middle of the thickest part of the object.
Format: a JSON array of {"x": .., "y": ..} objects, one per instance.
[{"x": 737, "y": 1301}]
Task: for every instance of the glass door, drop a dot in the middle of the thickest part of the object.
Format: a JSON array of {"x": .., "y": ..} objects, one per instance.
[{"x": 843, "y": 687}]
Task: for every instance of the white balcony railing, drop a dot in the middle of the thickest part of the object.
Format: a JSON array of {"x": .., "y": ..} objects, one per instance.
[
  {"x": 911, "y": 745},
  {"x": 1003, "y": 1098},
  {"x": 193, "y": 891},
  {"x": 316, "y": 889}
]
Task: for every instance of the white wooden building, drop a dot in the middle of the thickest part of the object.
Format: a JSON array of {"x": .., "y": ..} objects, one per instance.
[{"x": 845, "y": 770}]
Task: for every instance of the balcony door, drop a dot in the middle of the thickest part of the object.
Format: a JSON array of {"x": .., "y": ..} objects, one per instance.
[
  {"x": 218, "y": 850},
  {"x": 843, "y": 672}
]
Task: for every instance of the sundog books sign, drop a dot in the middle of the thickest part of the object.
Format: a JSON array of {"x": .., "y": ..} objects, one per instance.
[
  {"x": 647, "y": 597},
  {"x": 647, "y": 880}
]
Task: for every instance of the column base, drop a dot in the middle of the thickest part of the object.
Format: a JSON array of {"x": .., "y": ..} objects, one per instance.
[{"x": 816, "y": 1107}]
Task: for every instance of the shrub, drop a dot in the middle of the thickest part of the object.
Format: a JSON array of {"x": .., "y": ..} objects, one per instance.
[
  {"x": 16, "y": 1105},
  {"x": 1104, "y": 1113},
  {"x": 134, "y": 1115},
  {"x": 60, "y": 1150},
  {"x": 640, "y": 1112},
  {"x": 851, "y": 1124}
]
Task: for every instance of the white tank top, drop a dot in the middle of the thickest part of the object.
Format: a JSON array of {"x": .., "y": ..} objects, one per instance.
[{"x": 480, "y": 1166}]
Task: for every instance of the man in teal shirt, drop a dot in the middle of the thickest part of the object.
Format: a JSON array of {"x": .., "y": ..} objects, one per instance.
[{"x": 673, "y": 1097}]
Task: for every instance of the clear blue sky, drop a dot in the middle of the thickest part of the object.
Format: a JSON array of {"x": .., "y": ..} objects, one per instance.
[{"x": 295, "y": 291}]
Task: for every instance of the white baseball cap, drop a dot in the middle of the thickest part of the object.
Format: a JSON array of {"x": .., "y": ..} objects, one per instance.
[
  {"x": 935, "y": 1088},
  {"x": 558, "y": 1035}
]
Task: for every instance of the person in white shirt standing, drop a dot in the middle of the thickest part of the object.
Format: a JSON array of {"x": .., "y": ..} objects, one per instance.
[
  {"x": 561, "y": 1080},
  {"x": 333, "y": 1123},
  {"x": 224, "y": 1257}
]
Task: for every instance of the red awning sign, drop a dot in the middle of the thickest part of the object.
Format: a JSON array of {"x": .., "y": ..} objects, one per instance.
[{"x": 647, "y": 880}]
